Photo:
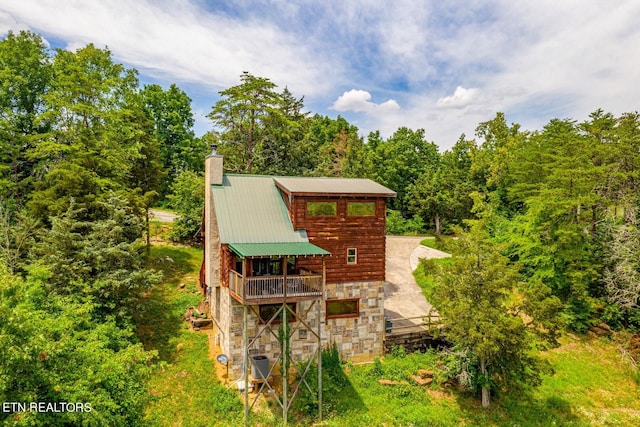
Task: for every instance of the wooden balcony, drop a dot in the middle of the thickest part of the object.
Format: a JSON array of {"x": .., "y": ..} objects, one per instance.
[{"x": 272, "y": 289}]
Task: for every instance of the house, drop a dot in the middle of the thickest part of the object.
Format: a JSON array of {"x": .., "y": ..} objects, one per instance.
[{"x": 309, "y": 252}]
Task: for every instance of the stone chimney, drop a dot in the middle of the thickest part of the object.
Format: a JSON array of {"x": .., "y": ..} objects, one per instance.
[{"x": 213, "y": 168}]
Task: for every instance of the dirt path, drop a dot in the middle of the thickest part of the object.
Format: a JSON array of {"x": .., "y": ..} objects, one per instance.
[
  {"x": 162, "y": 216},
  {"x": 403, "y": 296}
]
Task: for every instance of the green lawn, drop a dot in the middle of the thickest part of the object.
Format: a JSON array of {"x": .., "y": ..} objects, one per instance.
[
  {"x": 590, "y": 386},
  {"x": 429, "y": 242},
  {"x": 185, "y": 390}
]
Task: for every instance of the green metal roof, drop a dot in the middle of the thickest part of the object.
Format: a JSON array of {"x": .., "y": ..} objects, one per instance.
[
  {"x": 250, "y": 209},
  {"x": 328, "y": 185},
  {"x": 276, "y": 249}
]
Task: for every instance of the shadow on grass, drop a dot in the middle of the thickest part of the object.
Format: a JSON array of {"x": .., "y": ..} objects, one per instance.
[
  {"x": 160, "y": 316},
  {"x": 520, "y": 409},
  {"x": 338, "y": 393}
]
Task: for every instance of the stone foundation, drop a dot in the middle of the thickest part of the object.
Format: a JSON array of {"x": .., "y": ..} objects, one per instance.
[{"x": 359, "y": 339}]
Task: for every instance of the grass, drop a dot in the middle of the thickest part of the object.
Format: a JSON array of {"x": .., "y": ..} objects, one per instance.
[
  {"x": 425, "y": 274},
  {"x": 590, "y": 386},
  {"x": 429, "y": 242},
  {"x": 593, "y": 380},
  {"x": 185, "y": 390}
]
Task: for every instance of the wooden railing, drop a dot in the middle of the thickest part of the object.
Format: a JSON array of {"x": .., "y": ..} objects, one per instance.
[
  {"x": 270, "y": 287},
  {"x": 426, "y": 322}
]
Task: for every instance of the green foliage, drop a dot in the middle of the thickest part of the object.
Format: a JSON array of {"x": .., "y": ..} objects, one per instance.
[
  {"x": 92, "y": 141},
  {"x": 398, "y": 351},
  {"x": 99, "y": 262},
  {"x": 187, "y": 199},
  {"x": 54, "y": 349},
  {"x": 399, "y": 226},
  {"x": 259, "y": 127},
  {"x": 342, "y": 150},
  {"x": 178, "y": 149},
  {"x": 427, "y": 273},
  {"x": 17, "y": 235},
  {"x": 25, "y": 76},
  {"x": 442, "y": 195},
  {"x": 400, "y": 160},
  {"x": 489, "y": 315}
]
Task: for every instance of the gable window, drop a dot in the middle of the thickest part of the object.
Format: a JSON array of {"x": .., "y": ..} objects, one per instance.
[
  {"x": 267, "y": 311},
  {"x": 322, "y": 208},
  {"x": 361, "y": 208},
  {"x": 343, "y": 308},
  {"x": 352, "y": 256}
]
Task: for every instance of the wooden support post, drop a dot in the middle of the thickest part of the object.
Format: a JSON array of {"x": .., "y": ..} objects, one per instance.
[
  {"x": 285, "y": 362},
  {"x": 244, "y": 279},
  {"x": 245, "y": 339},
  {"x": 284, "y": 278},
  {"x": 319, "y": 302}
]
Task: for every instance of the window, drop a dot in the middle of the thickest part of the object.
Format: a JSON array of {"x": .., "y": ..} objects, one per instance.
[
  {"x": 267, "y": 311},
  {"x": 322, "y": 208},
  {"x": 267, "y": 267},
  {"x": 343, "y": 308},
  {"x": 352, "y": 256},
  {"x": 361, "y": 208}
]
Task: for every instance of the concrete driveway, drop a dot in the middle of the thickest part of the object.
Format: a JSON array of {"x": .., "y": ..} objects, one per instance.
[{"x": 403, "y": 296}]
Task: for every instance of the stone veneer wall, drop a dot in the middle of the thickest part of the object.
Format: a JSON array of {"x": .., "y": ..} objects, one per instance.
[{"x": 359, "y": 339}]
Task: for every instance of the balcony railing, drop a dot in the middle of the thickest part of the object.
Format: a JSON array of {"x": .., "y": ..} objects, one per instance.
[{"x": 254, "y": 289}]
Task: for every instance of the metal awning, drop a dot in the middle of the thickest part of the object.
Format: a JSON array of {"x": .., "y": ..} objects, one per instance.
[{"x": 277, "y": 249}]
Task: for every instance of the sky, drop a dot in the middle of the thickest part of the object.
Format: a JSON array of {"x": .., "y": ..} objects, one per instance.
[{"x": 441, "y": 66}]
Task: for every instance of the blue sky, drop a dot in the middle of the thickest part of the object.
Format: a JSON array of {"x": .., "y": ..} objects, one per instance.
[{"x": 443, "y": 66}]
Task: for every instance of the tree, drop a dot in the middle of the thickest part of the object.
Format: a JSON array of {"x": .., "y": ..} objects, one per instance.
[
  {"x": 400, "y": 160},
  {"x": 492, "y": 163},
  {"x": 444, "y": 194},
  {"x": 57, "y": 350},
  {"x": 187, "y": 198},
  {"x": 557, "y": 178},
  {"x": 493, "y": 317},
  {"x": 336, "y": 148},
  {"x": 622, "y": 274},
  {"x": 283, "y": 151},
  {"x": 25, "y": 74},
  {"x": 99, "y": 261},
  {"x": 92, "y": 142},
  {"x": 147, "y": 175},
  {"x": 172, "y": 118},
  {"x": 242, "y": 115},
  {"x": 17, "y": 235}
]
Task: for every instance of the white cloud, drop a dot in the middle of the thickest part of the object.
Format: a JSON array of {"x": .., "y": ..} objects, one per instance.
[
  {"x": 179, "y": 40},
  {"x": 531, "y": 60},
  {"x": 360, "y": 101},
  {"x": 8, "y": 23},
  {"x": 461, "y": 98}
]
